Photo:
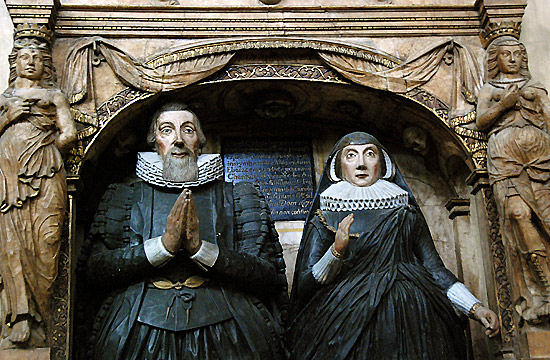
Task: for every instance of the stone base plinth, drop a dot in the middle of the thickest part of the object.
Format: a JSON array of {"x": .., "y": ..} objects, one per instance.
[
  {"x": 538, "y": 344},
  {"x": 24, "y": 354}
]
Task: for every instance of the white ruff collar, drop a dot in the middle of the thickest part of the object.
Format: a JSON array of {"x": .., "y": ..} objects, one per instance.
[
  {"x": 149, "y": 169},
  {"x": 344, "y": 196}
]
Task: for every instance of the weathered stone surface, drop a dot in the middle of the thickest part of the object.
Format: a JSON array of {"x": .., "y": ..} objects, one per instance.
[
  {"x": 538, "y": 344},
  {"x": 33, "y": 354}
]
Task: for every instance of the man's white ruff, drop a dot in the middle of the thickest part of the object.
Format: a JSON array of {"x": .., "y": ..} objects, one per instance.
[
  {"x": 149, "y": 169},
  {"x": 344, "y": 196}
]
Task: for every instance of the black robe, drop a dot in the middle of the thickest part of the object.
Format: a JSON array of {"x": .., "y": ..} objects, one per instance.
[
  {"x": 246, "y": 285},
  {"x": 389, "y": 300}
]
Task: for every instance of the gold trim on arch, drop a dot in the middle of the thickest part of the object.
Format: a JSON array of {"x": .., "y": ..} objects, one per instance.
[{"x": 271, "y": 43}]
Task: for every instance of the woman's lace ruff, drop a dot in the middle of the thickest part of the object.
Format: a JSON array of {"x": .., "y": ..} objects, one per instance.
[
  {"x": 344, "y": 196},
  {"x": 149, "y": 169}
]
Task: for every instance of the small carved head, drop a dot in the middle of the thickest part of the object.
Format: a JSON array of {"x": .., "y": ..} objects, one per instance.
[
  {"x": 417, "y": 139},
  {"x": 506, "y": 55},
  {"x": 176, "y": 135},
  {"x": 274, "y": 104}
]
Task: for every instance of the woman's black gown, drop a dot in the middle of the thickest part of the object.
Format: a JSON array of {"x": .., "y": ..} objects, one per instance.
[{"x": 388, "y": 302}]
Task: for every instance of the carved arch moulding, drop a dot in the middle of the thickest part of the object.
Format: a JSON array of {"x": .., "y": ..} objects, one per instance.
[{"x": 211, "y": 62}]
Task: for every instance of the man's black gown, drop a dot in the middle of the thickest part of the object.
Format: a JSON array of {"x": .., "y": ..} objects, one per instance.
[{"x": 234, "y": 314}]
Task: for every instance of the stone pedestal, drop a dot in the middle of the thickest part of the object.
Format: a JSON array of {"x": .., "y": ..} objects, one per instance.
[
  {"x": 20, "y": 354},
  {"x": 290, "y": 234},
  {"x": 538, "y": 344}
]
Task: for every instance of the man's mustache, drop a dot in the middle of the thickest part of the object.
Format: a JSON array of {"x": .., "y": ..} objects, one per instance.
[{"x": 180, "y": 150}]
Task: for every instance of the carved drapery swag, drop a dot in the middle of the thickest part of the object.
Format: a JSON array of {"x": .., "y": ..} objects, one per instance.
[
  {"x": 417, "y": 71},
  {"x": 77, "y": 79}
]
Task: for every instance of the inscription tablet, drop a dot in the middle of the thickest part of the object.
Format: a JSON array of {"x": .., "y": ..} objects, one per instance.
[{"x": 282, "y": 168}]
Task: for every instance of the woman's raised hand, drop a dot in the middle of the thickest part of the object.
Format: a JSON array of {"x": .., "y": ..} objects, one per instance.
[{"x": 341, "y": 240}]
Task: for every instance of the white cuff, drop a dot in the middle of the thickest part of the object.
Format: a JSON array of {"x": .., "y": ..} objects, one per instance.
[
  {"x": 326, "y": 269},
  {"x": 156, "y": 253},
  {"x": 461, "y": 298},
  {"x": 207, "y": 255}
]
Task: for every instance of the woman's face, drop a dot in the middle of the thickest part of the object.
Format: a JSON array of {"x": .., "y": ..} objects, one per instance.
[
  {"x": 509, "y": 59},
  {"x": 30, "y": 64},
  {"x": 361, "y": 164}
]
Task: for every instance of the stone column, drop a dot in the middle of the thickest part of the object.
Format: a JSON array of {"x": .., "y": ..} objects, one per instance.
[
  {"x": 471, "y": 252},
  {"x": 490, "y": 275}
]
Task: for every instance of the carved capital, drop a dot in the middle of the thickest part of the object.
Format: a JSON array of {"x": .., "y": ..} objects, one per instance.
[
  {"x": 458, "y": 207},
  {"x": 41, "y": 12},
  {"x": 495, "y": 11},
  {"x": 478, "y": 179},
  {"x": 498, "y": 29}
]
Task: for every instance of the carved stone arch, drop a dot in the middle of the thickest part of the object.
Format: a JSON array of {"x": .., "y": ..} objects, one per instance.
[{"x": 469, "y": 144}]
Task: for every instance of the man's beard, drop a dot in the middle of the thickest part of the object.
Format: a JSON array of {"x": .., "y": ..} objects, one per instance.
[{"x": 180, "y": 169}]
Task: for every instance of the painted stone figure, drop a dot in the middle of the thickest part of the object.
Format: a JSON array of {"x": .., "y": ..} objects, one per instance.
[
  {"x": 35, "y": 126},
  {"x": 514, "y": 110},
  {"x": 192, "y": 274},
  {"x": 369, "y": 282}
]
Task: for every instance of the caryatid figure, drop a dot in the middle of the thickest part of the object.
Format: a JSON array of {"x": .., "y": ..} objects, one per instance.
[
  {"x": 35, "y": 126},
  {"x": 513, "y": 110}
]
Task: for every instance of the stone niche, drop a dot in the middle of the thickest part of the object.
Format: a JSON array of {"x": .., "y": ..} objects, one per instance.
[{"x": 315, "y": 104}]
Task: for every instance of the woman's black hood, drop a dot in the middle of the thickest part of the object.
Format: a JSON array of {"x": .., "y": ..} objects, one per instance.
[{"x": 329, "y": 176}]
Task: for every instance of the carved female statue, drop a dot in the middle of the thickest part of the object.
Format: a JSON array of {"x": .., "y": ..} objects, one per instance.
[
  {"x": 369, "y": 282},
  {"x": 514, "y": 111},
  {"x": 35, "y": 124}
]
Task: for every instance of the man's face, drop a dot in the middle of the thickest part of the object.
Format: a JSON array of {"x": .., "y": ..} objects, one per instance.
[
  {"x": 29, "y": 64},
  {"x": 176, "y": 128},
  {"x": 177, "y": 140},
  {"x": 361, "y": 164},
  {"x": 509, "y": 59}
]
